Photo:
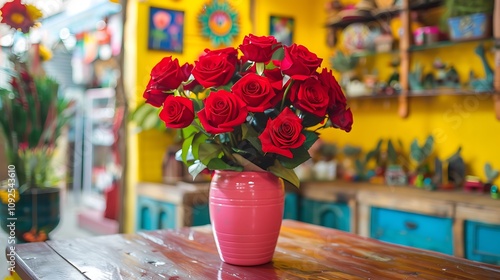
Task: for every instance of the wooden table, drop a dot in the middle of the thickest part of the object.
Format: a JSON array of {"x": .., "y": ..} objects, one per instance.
[{"x": 304, "y": 252}]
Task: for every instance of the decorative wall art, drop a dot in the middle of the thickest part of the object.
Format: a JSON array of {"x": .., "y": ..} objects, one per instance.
[
  {"x": 282, "y": 29},
  {"x": 166, "y": 30},
  {"x": 219, "y": 22}
]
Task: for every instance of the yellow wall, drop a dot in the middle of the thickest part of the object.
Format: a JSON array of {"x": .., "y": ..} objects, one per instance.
[{"x": 466, "y": 121}]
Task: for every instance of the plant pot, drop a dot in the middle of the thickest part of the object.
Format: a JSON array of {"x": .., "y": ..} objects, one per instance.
[
  {"x": 246, "y": 210},
  {"x": 36, "y": 214}
]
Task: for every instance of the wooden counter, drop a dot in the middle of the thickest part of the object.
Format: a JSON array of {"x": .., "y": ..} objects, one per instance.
[{"x": 304, "y": 251}]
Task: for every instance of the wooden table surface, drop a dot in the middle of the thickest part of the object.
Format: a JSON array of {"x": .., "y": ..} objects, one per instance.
[{"x": 304, "y": 251}]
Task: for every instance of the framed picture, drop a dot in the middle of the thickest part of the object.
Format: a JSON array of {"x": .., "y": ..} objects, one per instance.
[
  {"x": 282, "y": 29},
  {"x": 166, "y": 30}
]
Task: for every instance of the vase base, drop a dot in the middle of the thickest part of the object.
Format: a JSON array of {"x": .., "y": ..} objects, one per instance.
[{"x": 246, "y": 262}]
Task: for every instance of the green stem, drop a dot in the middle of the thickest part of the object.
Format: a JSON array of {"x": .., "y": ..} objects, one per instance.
[{"x": 284, "y": 94}]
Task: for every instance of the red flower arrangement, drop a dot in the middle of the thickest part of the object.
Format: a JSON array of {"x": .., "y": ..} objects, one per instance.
[{"x": 258, "y": 111}]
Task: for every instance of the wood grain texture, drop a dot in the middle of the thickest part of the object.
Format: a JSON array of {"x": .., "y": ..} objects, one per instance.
[
  {"x": 39, "y": 261},
  {"x": 304, "y": 252}
]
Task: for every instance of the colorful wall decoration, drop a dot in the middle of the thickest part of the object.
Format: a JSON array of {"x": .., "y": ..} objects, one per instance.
[
  {"x": 282, "y": 29},
  {"x": 166, "y": 30},
  {"x": 219, "y": 22}
]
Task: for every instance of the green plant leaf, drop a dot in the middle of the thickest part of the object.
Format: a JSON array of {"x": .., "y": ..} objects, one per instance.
[
  {"x": 186, "y": 145},
  {"x": 251, "y": 136},
  {"x": 300, "y": 155},
  {"x": 311, "y": 138},
  {"x": 208, "y": 151},
  {"x": 278, "y": 54},
  {"x": 285, "y": 173},
  {"x": 219, "y": 164},
  {"x": 392, "y": 155},
  {"x": 198, "y": 139}
]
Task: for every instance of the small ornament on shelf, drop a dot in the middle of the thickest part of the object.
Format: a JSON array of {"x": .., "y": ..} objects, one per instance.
[{"x": 491, "y": 175}]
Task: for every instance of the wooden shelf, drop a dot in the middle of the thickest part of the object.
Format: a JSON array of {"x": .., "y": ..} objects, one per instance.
[
  {"x": 445, "y": 44},
  {"x": 427, "y": 93},
  {"x": 382, "y": 14}
]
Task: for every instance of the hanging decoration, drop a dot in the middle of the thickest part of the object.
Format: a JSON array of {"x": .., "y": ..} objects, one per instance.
[{"x": 219, "y": 22}]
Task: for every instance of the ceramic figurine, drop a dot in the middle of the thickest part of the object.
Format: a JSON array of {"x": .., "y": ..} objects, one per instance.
[
  {"x": 485, "y": 84},
  {"x": 494, "y": 192},
  {"x": 415, "y": 79},
  {"x": 420, "y": 154},
  {"x": 344, "y": 64},
  {"x": 351, "y": 153},
  {"x": 452, "y": 79},
  {"x": 456, "y": 169},
  {"x": 440, "y": 71},
  {"x": 491, "y": 175},
  {"x": 429, "y": 81}
]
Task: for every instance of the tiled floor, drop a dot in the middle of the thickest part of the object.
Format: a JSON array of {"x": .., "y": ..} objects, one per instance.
[{"x": 68, "y": 228}]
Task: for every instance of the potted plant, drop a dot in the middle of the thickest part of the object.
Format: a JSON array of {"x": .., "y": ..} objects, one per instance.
[
  {"x": 250, "y": 120},
  {"x": 32, "y": 117},
  {"x": 468, "y": 20}
]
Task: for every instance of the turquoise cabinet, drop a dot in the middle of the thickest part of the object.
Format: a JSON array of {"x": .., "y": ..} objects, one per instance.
[
  {"x": 154, "y": 214},
  {"x": 329, "y": 214},
  {"x": 412, "y": 229},
  {"x": 291, "y": 210},
  {"x": 482, "y": 242}
]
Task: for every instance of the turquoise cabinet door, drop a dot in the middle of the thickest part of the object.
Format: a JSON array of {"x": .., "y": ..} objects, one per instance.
[
  {"x": 200, "y": 215},
  {"x": 411, "y": 229},
  {"x": 482, "y": 242},
  {"x": 291, "y": 206},
  {"x": 328, "y": 214},
  {"x": 153, "y": 214},
  {"x": 147, "y": 211}
]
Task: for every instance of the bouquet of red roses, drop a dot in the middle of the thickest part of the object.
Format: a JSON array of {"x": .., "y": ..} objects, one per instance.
[{"x": 258, "y": 111}]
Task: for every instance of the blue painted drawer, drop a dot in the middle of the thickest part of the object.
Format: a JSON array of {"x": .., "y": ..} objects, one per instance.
[
  {"x": 291, "y": 206},
  {"x": 153, "y": 214},
  {"x": 328, "y": 214},
  {"x": 482, "y": 242},
  {"x": 411, "y": 229}
]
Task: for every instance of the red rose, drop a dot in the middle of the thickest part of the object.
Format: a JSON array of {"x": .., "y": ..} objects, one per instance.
[
  {"x": 310, "y": 96},
  {"x": 259, "y": 48},
  {"x": 342, "y": 119},
  {"x": 177, "y": 112},
  {"x": 282, "y": 134},
  {"x": 299, "y": 63},
  {"x": 256, "y": 91},
  {"x": 223, "y": 111},
  {"x": 230, "y": 53},
  {"x": 276, "y": 78},
  {"x": 168, "y": 74},
  {"x": 335, "y": 94},
  {"x": 215, "y": 68},
  {"x": 154, "y": 94}
]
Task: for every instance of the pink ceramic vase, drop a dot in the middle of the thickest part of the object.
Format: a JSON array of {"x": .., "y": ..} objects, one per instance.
[{"x": 246, "y": 210}]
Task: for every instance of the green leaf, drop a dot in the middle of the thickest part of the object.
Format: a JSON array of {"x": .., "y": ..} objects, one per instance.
[
  {"x": 278, "y": 54},
  {"x": 251, "y": 136},
  {"x": 311, "y": 138},
  {"x": 208, "y": 151},
  {"x": 300, "y": 155},
  {"x": 198, "y": 139},
  {"x": 219, "y": 164},
  {"x": 185, "y": 148},
  {"x": 285, "y": 173}
]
